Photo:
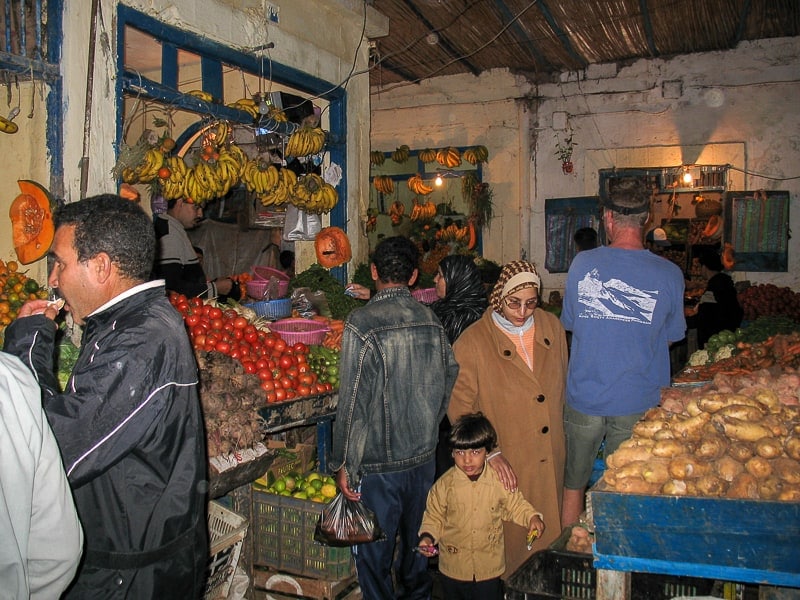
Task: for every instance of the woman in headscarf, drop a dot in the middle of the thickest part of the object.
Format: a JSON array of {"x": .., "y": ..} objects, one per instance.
[
  {"x": 462, "y": 297},
  {"x": 512, "y": 368},
  {"x": 462, "y": 301}
]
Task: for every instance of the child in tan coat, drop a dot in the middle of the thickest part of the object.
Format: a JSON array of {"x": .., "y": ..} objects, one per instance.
[{"x": 465, "y": 512}]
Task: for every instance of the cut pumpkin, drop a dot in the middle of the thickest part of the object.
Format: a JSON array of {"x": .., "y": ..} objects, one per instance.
[
  {"x": 32, "y": 222},
  {"x": 728, "y": 257},
  {"x": 332, "y": 247},
  {"x": 713, "y": 226}
]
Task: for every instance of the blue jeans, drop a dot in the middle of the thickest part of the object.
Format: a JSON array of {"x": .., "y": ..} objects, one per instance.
[{"x": 398, "y": 500}]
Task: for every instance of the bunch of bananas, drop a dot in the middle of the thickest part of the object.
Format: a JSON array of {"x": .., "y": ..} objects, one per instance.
[
  {"x": 453, "y": 233},
  {"x": 427, "y": 155},
  {"x": 313, "y": 194},
  {"x": 172, "y": 186},
  {"x": 377, "y": 158},
  {"x": 219, "y": 134},
  {"x": 384, "y": 184},
  {"x": 260, "y": 177},
  {"x": 202, "y": 184},
  {"x": 448, "y": 157},
  {"x": 476, "y": 154},
  {"x": 147, "y": 170},
  {"x": 248, "y": 105},
  {"x": 416, "y": 185},
  {"x": 201, "y": 95},
  {"x": 305, "y": 141},
  {"x": 212, "y": 176},
  {"x": 401, "y": 154},
  {"x": 423, "y": 212},
  {"x": 282, "y": 190}
]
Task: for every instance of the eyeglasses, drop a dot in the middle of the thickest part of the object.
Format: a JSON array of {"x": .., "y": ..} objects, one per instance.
[{"x": 516, "y": 304}]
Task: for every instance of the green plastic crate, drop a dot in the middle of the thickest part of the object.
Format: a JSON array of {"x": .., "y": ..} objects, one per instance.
[{"x": 283, "y": 538}]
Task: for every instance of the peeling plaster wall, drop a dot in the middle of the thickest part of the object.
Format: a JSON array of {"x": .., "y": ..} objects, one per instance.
[{"x": 736, "y": 106}]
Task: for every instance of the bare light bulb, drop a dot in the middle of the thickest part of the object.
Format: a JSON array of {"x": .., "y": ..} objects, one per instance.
[
  {"x": 263, "y": 108},
  {"x": 438, "y": 181},
  {"x": 687, "y": 178}
]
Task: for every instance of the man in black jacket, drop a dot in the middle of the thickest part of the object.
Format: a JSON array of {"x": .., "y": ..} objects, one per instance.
[{"x": 129, "y": 424}]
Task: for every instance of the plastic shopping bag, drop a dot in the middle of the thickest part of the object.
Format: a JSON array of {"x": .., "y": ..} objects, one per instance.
[{"x": 345, "y": 523}]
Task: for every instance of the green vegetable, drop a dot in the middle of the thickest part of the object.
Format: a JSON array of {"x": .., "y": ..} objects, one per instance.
[{"x": 317, "y": 278}]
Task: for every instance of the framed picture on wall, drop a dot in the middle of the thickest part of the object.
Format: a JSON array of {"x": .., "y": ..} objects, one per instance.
[{"x": 757, "y": 226}]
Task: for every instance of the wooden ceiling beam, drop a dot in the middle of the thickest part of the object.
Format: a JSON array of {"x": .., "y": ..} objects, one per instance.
[
  {"x": 444, "y": 42},
  {"x": 561, "y": 34},
  {"x": 520, "y": 35},
  {"x": 648, "y": 28}
]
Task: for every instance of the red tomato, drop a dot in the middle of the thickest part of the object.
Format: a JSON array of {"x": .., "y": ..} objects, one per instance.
[
  {"x": 269, "y": 341},
  {"x": 262, "y": 363},
  {"x": 271, "y": 398},
  {"x": 214, "y": 313},
  {"x": 328, "y": 386},
  {"x": 280, "y": 394},
  {"x": 251, "y": 336},
  {"x": 291, "y": 394},
  {"x": 198, "y": 329},
  {"x": 223, "y": 347},
  {"x": 300, "y": 348},
  {"x": 192, "y": 320},
  {"x": 230, "y": 314},
  {"x": 249, "y": 366},
  {"x": 240, "y": 323},
  {"x": 292, "y": 371},
  {"x": 238, "y": 334},
  {"x": 287, "y": 382},
  {"x": 199, "y": 340},
  {"x": 182, "y": 307},
  {"x": 216, "y": 323},
  {"x": 280, "y": 345},
  {"x": 320, "y": 387},
  {"x": 303, "y": 390},
  {"x": 304, "y": 367},
  {"x": 307, "y": 379},
  {"x": 285, "y": 361},
  {"x": 264, "y": 374},
  {"x": 196, "y": 302}
]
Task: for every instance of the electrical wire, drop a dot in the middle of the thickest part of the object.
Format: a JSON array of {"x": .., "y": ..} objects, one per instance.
[{"x": 761, "y": 175}]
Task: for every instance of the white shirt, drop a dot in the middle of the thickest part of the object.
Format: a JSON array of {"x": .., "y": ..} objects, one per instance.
[{"x": 41, "y": 535}]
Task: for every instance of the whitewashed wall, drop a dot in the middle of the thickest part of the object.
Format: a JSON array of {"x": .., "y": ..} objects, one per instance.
[{"x": 737, "y": 106}]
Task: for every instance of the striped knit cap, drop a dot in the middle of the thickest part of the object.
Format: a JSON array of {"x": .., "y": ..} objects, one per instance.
[{"x": 514, "y": 276}]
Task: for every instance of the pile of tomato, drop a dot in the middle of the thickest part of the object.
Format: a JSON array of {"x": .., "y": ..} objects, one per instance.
[{"x": 283, "y": 369}]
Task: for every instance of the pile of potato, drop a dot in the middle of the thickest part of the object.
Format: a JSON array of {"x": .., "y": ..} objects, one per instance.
[{"x": 742, "y": 443}]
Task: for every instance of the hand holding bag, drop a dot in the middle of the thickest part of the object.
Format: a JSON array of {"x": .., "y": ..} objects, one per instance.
[{"x": 344, "y": 522}]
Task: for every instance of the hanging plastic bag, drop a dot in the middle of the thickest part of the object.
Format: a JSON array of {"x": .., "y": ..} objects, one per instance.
[
  {"x": 300, "y": 225},
  {"x": 344, "y": 522}
]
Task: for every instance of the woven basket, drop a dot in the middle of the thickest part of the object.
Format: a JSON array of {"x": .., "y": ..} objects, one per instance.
[
  {"x": 425, "y": 295},
  {"x": 272, "y": 309},
  {"x": 265, "y": 273},
  {"x": 306, "y": 331}
]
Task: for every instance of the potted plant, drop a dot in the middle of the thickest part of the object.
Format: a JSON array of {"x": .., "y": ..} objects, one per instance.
[{"x": 564, "y": 153}]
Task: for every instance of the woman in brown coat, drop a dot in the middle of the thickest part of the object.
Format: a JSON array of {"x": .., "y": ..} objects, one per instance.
[{"x": 512, "y": 368}]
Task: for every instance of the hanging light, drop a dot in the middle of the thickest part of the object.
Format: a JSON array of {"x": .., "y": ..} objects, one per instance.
[
  {"x": 438, "y": 181},
  {"x": 687, "y": 177}
]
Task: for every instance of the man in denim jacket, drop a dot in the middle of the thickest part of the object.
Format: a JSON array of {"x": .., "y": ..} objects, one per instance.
[{"x": 396, "y": 375}]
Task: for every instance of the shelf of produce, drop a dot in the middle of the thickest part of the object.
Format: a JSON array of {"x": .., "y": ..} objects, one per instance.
[
  {"x": 309, "y": 410},
  {"x": 749, "y": 541}
]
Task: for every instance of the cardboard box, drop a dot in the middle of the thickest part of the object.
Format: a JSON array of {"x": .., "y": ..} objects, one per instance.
[{"x": 299, "y": 459}]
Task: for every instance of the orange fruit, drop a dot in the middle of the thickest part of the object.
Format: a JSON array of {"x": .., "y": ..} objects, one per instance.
[{"x": 164, "y": 173}]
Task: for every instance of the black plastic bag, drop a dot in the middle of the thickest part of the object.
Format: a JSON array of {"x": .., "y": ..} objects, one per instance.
[{"x": 346, "y": 523}]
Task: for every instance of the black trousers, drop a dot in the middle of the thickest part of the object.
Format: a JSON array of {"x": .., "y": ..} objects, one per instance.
[{"x": 455, "y": 589}]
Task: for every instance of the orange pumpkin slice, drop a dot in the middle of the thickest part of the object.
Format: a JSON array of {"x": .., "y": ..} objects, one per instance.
[
  {"x": 332, "y": 247},
  {"x": 32, "y": 222}
]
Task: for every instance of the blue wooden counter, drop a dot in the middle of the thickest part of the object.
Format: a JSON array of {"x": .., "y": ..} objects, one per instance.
[{"x": 750, "y": 541}]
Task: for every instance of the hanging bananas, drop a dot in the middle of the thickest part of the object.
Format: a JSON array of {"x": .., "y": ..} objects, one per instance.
[
  {"x": 248, "y": 105},
  {"x": 476, "y": 154},
  {"x": 260, "y": 177},
  {"x": 396, "y": 212},
  {"x": 283, "y": 189},
  {"x": 384, "y": 184},
  {"x": 147, "y": 170},
  {"x": 427, "y": 155},
  {"x": 453, "y": 233},
  {"x": 305, "y": 141},
  {"x": 377, "y": 158},
  {"x": 201, "y": 95},
  {"x": 448, "y": 157},
  {"x": 416, "y": 185},
  {"x": 314, "y": 195},
  {"x": 422, "y": 212},
  {"x": 401, "y": 154}
]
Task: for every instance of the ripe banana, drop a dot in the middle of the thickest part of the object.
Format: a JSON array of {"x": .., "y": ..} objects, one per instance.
[
  {"x": 247, "y": 105},
  {"x": 305, "y": 141},
  {"x": 448, "y": 157},
  {"x": 384, "y": 184},
  {"x": 427, "y": 155},
  {"x": 416, "y": 185},
  {"x": 476, "y": 154},
  {"x": 201, "y": 95},
  {"x": 8, "y": 126}
]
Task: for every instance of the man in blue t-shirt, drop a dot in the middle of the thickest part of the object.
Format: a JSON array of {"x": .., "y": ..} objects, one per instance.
[{"x": 624, "y": 307}]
